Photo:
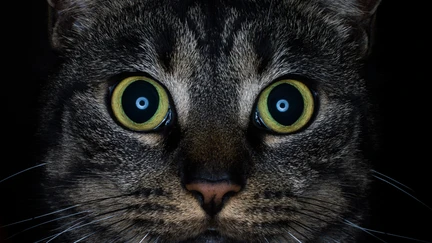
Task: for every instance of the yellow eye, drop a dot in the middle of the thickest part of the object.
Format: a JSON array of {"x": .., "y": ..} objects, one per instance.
[
  {"x": 140, "y": 103},
  {"x": 285, "y": 106}
]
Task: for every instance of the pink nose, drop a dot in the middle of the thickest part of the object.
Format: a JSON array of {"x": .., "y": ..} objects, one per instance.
[{"x": 213, "y": 192}]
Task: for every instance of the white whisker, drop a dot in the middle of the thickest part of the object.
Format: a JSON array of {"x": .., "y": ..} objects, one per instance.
[
  {"x": 363, "y": 229},
  {"x": 58, "y": 211},
  {"x": 370, "y": 231},
  {"x": 388, "y": 177},
  {"x": 86, "y": 236},
  {"x": 397, "y": 236},
  {"x": 70, "y": 223},
  {"x": 145, "y": 236},
  {"x": 48, "y": 237},
  {"x": 40, "y": 216},
  {"x": 77, "y": 226},
  {"x": 402, "y": 190},
  {"x": 33, "y": 167},
  {"x": 295, "y": 238},
  {"x": 49, "y": 221},
  {"x": 126, "y": 230}
]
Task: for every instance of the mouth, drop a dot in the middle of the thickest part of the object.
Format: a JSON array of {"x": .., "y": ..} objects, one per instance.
[{"x": 211, "y": 236}]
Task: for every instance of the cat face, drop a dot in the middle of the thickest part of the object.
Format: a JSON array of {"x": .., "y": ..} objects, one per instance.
[{"x": 201, "y": 121}]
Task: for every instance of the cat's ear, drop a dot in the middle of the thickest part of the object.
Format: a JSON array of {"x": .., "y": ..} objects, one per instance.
[
  {"x": 68, "y": 19},
  {"x": 362, "y": 9},
  {"x": 361, "y": 12}
]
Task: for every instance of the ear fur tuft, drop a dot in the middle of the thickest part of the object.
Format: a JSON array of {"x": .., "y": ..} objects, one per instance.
[
  {"x": 363, "y": 9},
  {"x": 67, "y": 19},
  {"x": 362, "y": 13}
]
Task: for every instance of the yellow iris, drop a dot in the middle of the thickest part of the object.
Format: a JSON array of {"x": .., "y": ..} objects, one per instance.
[
  {"x": 139, "y": 103},
  {"x": 286, "y": 106}
]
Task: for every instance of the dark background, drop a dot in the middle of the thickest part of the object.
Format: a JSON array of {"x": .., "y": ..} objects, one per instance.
[{"x": 399, "y": 74}]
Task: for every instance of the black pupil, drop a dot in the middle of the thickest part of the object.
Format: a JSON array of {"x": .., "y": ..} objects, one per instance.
[
  {"x": 140, "y": 101},
  {"x": 285, "y": 104}
]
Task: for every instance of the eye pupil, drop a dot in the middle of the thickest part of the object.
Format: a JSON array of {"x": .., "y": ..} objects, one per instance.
[
  {"x": 282, "y": 105},
  {"x": 142, "y": 103},
  {"x": 285, "y": 104}
]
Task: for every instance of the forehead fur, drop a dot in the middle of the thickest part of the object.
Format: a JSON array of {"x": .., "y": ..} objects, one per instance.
[{"x": 217, "y": 54}]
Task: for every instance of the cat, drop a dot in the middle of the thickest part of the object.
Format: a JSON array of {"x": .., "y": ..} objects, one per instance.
[{"x": 208, "y": 121}]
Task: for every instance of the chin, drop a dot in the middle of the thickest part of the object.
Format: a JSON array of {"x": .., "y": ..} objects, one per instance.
[{"x": 212, "y": 236}]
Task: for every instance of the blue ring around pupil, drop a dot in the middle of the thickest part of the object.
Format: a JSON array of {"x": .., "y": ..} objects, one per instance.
[
  {"x": 140, "y": 101},
  {"x": 282, "y": 105},
  {"x": 285, "y": 104}
]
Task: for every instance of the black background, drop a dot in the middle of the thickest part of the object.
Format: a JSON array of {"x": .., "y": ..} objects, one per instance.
[{"x": 399, "y": 71}]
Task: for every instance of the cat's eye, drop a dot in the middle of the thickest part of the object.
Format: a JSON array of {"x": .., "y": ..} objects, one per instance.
[
  {"x": 140, "y": 103},
  {"x": 285, "y": 106}
]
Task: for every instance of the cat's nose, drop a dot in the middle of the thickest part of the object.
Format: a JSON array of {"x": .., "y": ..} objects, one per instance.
[{"x": 213, "y": 194}]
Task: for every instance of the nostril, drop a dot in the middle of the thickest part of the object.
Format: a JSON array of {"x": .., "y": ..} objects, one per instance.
[
  {"x": 213, "y": 194},
  {"x": 198, "y": 196},
  {"x": 214, "y": 191}
]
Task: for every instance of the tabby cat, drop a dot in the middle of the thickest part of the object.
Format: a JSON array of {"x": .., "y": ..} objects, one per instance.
[{"x": 208, "y": 121}]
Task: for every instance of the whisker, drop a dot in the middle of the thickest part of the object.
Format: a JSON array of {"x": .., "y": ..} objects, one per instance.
[
  {"x": 145, "y": 236},
  {"x": 54, "y": 235},
  {"x": 298, "y": 232},
  {"x": 295, "y": 238},
  {"x": 331, "y": 240},
  {"x": 86, "y": 236},
  {"x": 303, "y": 211},
  {"x": 132, "y": 238},
  {"x": 62, "y": 210},
  {"x": 328, "y": 219},
  {"x": 46, "y": 222},
  {"x": 20, "y": 172},
  {"x": 388, "y": 177},
  {"x": 324, "y": 217},
  {"x": 398, "y": 236},
  {"x": 370, "y": 231},
  {"x": 363, "y": 229},
  {"x": 124, "y": 229},
  {"x": 302, "y": 226},
  {"x": 320, "y": 201},
  {"x": 40, "y": 216},
  {"x": 402, "y": 190},
  {"x": 77, "y": 226},
  {"x": 71, "y": 223},
  {"x": 80, "y": 225},
  {"x": 321, "y": 206}
]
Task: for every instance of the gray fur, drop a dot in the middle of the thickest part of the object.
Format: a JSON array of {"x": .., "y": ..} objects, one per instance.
[{"x": 301, "y": 186}]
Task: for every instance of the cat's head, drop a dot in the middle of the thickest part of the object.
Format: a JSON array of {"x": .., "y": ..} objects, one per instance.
[{"x": 225, "y": 121}]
